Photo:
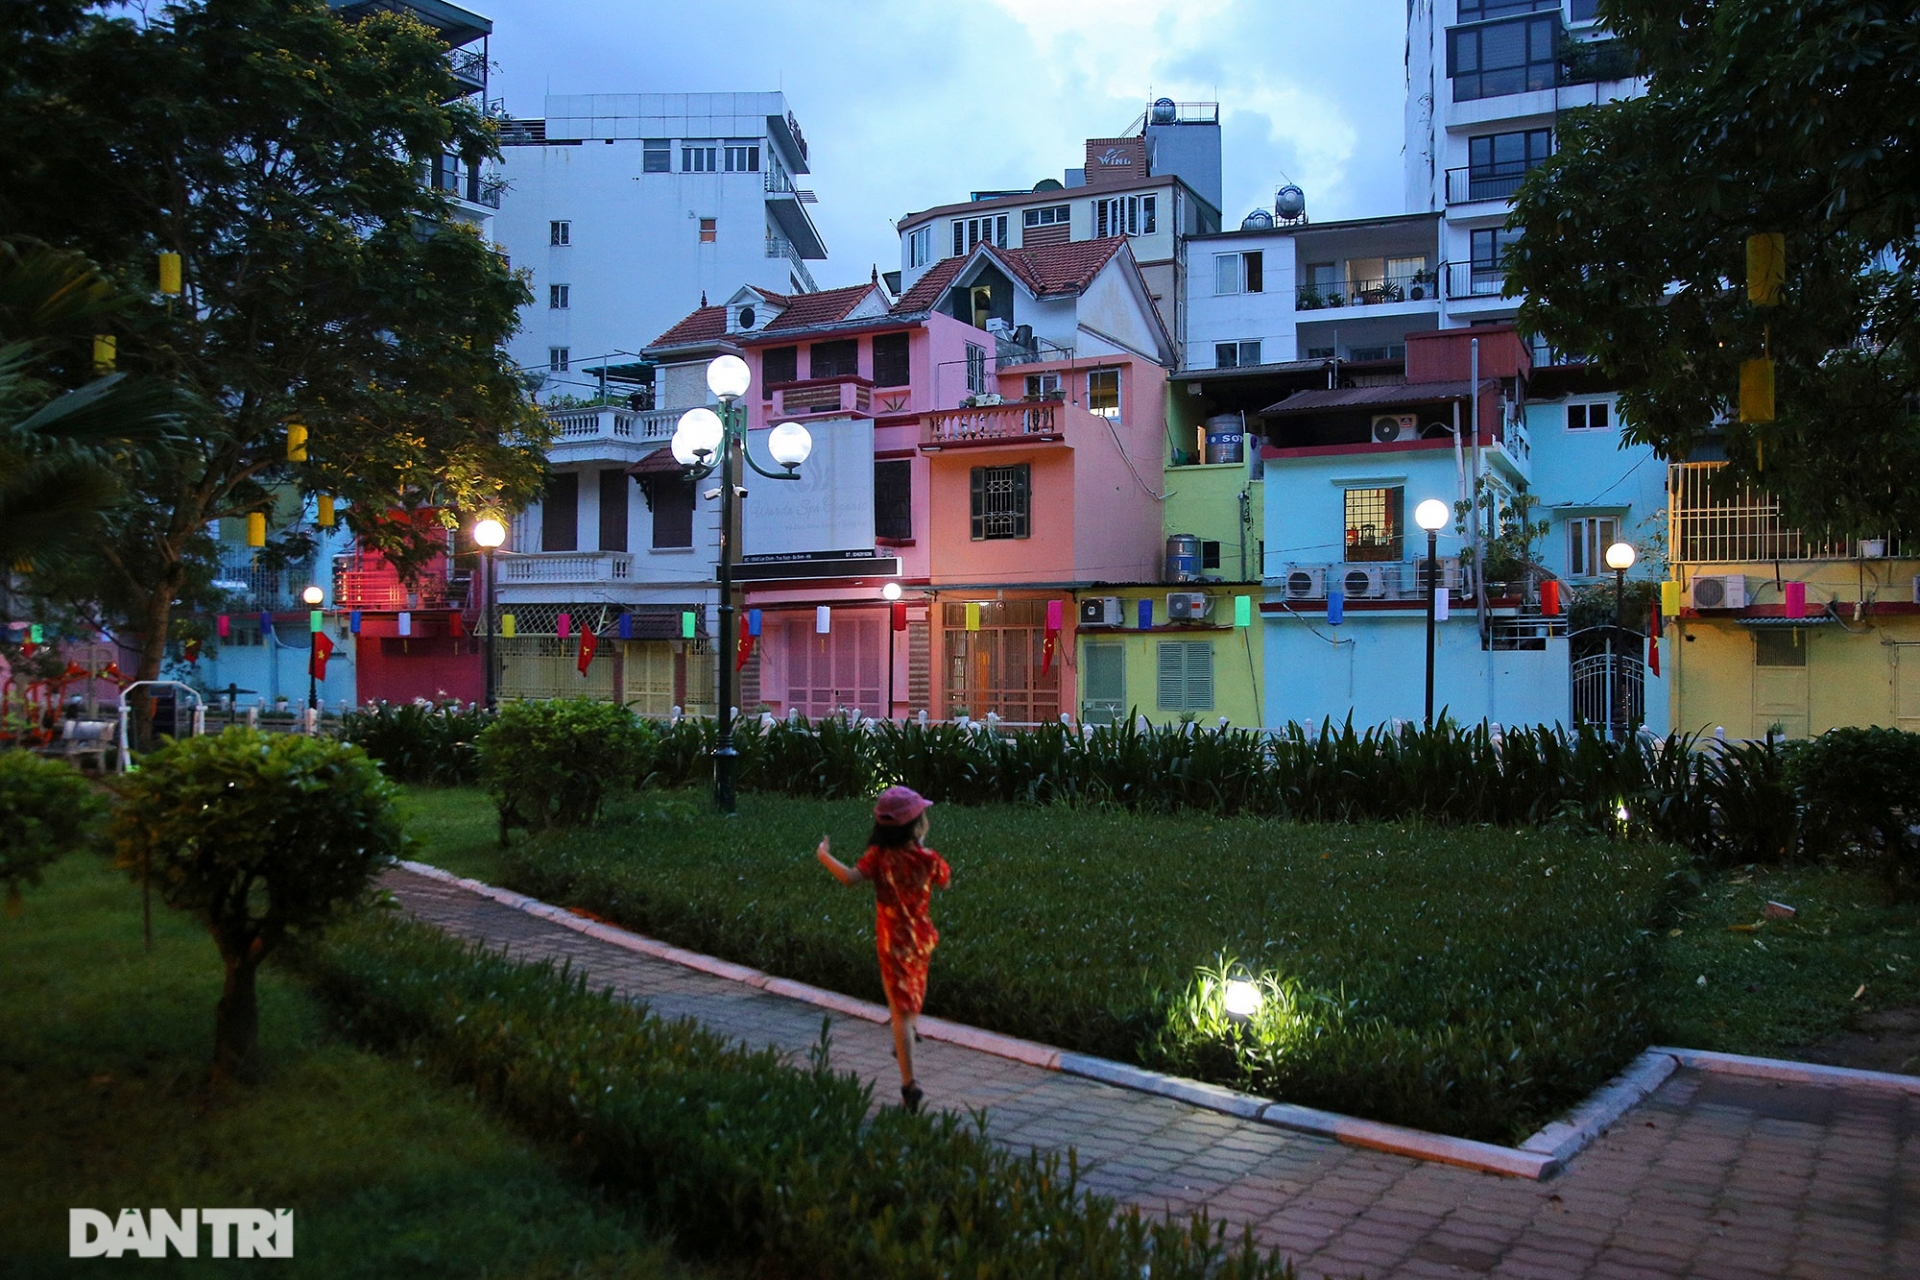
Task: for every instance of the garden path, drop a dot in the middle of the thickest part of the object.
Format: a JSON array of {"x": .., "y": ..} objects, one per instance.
[{"x": 1711, "y": 1176}]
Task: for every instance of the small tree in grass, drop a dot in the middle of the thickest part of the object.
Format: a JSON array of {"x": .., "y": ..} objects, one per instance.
[
  {"x": 45, "y": 810},
  {"x": 263, "y": 837},
  {"x": 551, "y": 764}
]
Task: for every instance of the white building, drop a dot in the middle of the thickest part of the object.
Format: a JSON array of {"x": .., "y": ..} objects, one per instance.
[{"x": 631, "y": 209}]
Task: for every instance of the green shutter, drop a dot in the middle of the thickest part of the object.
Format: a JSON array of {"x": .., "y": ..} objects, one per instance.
[
  {"x": 1185, "y": 675},
  {"x": 1171, "y": 693},
  {"x": 1199, "y": 675}
]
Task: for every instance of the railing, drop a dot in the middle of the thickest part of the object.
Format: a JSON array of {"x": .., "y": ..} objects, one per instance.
[
  {"x": 990, "y": 424},
  {"x": 781, "y": 247},
  {"x": 1496, "y": 183},
  {"x": 1366, "y": 293},
  {"x": 1009, "y": 352},
  {"x": 573, "y": 426},
  {"x": 567, "y": 566},
  {"x": 849, "y": 395},
  {"x": 469, "y": 66},
  {"x": 1474, "y": 280},
  {"x": 368, "y": 581},
  {"x": 264, "y": 589},
  {"x": 779, "y": 183},
  {"x": 1714, "y": 520}
]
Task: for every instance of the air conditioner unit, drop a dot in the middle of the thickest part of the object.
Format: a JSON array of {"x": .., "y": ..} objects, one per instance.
[
  {"x": 1449, "y": 574},
  {"x": 1388, "y": 427},
  {"x": 1916, "y": 588},
  {"x": 1720, "y": 591},
  {"x": 1186, "y": 606},
  {"x": 1101, "y": 611},
  {"x": 1368, "y": 582},
  {"x": 1306, "y": 584}
]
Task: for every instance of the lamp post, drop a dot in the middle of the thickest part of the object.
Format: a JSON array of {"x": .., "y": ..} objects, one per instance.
[
  {"x": 489, "y": 532},
  {"x": 891, "y": 594},
  {"x": 1620, "y": 557},
  {"x": 1431, "y": 515},
  {"x": 313, "y": 595},
  {"x": 703, "y": 441}
]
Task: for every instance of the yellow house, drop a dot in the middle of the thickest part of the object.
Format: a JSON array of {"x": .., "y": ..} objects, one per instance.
[{"x": 1777, "y": 632}]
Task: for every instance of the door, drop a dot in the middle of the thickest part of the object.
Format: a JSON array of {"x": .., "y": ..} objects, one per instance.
[
  {"x": 1103, "y": 676},
  {"x": 1780, "y": 682},
  {"x": 1905, "y": 657}
]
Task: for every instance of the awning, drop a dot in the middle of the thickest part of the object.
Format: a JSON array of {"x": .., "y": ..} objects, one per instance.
[
  {"x": 660, "y": 462},
  {"x": 1771, "y": 621},
  {"x": 1395, "y": 395}
]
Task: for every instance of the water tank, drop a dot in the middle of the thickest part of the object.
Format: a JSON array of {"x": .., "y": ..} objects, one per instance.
[
  {"x": 1164, "y": 112},
  {"x": 1258, "y": 220},
  {"x": 1183, "y": 558},
  {"x": 1048, "y": 184},
  {"x": 1289, "y": 202},
  {"x": 1225, "y": 438}
]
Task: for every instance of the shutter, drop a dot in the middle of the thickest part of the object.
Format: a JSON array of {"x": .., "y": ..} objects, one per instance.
[
  {"x": 919, "y": 667},
  {"x": 560, "y": 512},
  {"x": 1199, "y": 675},
  {"x": 1172, "y": 676},
  {"x": 613, "y": 510},
  {"x": 1106, "y": 673}
]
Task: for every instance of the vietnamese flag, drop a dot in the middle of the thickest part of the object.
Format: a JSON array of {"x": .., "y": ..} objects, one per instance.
[
  {"x": 1046, "y": 653},
  {"x": 317, "y": 664},
  {"x": 589, "y": 642},
  {"x": 1653, "y": 641},
  {"x": 744, "y": 651}
]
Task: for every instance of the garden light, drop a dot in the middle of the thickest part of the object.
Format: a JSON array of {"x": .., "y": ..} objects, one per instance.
[
  {"x": 1620, "y": 556},
  {"x": 1431, "y": 515},
  {"x": 1242, "y": 998},
  {"x": 488, "y": 532},
  {"x": 890, "y": 592}
]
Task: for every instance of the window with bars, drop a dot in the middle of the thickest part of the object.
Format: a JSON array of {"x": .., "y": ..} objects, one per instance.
[
  {"x": 1783, "y": 648},
  {"x": 1588, "y": 538},
  {"x": 1185, "y": 675},
  {"x": 891, "y": 367},
  {"x": 893, "y": 499},
  {"x": 1374, "y": 523},
  {"x": 1001, "y": 498},
  {"x": 838, "y": 359}
]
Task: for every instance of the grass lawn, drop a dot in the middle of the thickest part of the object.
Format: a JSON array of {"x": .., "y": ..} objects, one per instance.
[{"x": 104, "y": 1103}]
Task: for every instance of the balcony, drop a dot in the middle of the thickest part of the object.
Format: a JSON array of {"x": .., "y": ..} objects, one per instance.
[
  {"x": 1418, "y": 286},
  {"x": 604, "y": 432},
  {"x": 1714, "y": 521},
  {"x": 781, "y": 247},
  {"x": 781, "y": 184},
  {"x": 849, "y": 397},
  {"x": 1467, "y": 185},
  {"x": 566, "y": 567},
  {"x": 1474, "y": 280},
  {"x": 367, "y": 580},
  {"x": 469, "y": 67},
  {"x": 1020, "y": 422},
  {"x": 264, "y": 590}
]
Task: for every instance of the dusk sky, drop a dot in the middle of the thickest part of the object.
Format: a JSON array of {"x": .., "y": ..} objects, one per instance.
[{"x": 907, "y": 104}]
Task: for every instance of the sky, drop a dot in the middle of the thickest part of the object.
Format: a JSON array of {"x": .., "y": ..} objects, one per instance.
[{"x": 909, "y": 103}]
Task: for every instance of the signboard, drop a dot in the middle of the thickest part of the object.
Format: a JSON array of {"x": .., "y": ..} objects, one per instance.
[{"x": 828, "y": 512}]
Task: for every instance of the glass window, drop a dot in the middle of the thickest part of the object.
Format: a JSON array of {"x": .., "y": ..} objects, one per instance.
[
  {"x": 699, "y": 158},
  {"x": 1587, "y": 541},
  {"x": 743, "y": 157},
  {"x": 891, "y": 367},
  {"x": 893, "y": 499},
  {"x": 559, "y": 233},
  {"x": 1000, "y": 502},
  {"x": 1185, "y": 675},
  {"x": 840, "y": 359},
  {"x": 1227, "y": 273},
  {"x": 709, "y": 230},
  {"x": 1235, "y": 355},
  {"x": 1490, "y": 246},
  {"x": 558, "y": 297},
  {"x": 1497, "y": 161},
  {"x": 1503, "y": 57},
  {"x": 1043, "y": 386},
  {"x": 1479, "y": 10},
  {"x": 1374, "y": 523},
  {"x": 557, "y": 359},
  {"x": 1589, "y": 417},
  {"x": 656, "y": 155},
  {"x": 976, "y": 369},
  {"x": 1047, "y": 217},
  {"x": 919, "y": 246},
  {"x": 779, "y": 364},
  {"x": 1103, "y": 392}
]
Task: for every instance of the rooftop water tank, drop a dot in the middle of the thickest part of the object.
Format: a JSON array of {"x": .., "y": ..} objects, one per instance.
[
  {"x": 1164, "y": 112},
  {"x": 1289, "y": 202},
  {"x": 1258, "y": 220}
]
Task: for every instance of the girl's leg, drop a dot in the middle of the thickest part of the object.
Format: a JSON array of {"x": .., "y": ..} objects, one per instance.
[{"x": 903, "y": 1036}]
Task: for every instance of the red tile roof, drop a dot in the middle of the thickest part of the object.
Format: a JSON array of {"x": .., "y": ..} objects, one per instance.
[
  {"x": 805, "y": 310},
  {"x": 708, "y": 324},
  {"x": 1047, "y": 270},
  {"x": 927, "y": 289}
]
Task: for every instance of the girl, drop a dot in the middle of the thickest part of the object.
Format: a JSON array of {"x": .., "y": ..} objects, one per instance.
[{"x": 903, "y": 873}]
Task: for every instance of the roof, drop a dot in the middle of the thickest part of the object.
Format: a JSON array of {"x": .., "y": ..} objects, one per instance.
[
  {"x": 659, "y": 462},
  {"x": 707, "y": 324},
  {"x": 927, "y": 289},
  {"x": 1403, "y": 393},
  {"x": 998, "y": 203},
  {"x": 1047, "y": 270},
  {"x": 803, "y": 310}
]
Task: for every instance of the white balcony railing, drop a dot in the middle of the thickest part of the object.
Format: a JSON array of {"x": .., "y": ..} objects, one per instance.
[
  {"x": 567, "y": 566},
  {"x": 576, "y": 426}
]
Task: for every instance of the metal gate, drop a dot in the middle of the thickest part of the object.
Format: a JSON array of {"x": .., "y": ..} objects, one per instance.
[{"x": 1609, "y": 680}]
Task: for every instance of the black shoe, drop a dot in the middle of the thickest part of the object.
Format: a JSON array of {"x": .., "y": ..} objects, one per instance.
[{"x": 910, "y": 1096}]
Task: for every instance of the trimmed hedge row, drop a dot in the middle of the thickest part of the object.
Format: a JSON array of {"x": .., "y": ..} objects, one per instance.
[{"x": 739, "y": 1153}]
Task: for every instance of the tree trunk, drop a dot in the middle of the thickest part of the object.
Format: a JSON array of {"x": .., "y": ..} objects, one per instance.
[
  {"x": 236, "y": 1021},
  {"x": 155, "y": 617}
]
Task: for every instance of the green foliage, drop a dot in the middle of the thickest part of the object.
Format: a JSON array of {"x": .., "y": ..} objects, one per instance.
[
  {"x": 46, "y": 808},
  {"x": 262, "y": 837},
  {"x": 551, "y": 764},
  {"x": 745, "y": 1155},
  {"x": 1793, "y": 117},
  {"x": 414, "y": 743},
  {"x": 1082, "y": 927},
  {"x": 1754, "y": 817},
  {"x": 1861, "y": 788}
]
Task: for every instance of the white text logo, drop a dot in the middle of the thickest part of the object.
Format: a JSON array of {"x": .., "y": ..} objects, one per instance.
[{"x": 231, "y": 1233}]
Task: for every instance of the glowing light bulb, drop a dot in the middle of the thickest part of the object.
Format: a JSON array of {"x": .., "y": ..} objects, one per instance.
[{"x": 1242, "y": 998}]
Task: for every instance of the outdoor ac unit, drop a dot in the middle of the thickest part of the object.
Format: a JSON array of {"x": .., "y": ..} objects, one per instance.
[
  {"x": 1365, "y": 582},
  {"x": 1186, "y": 606},
  {"x": 1449, "y": 574},
  {"x": 1916, "y": 588},
  {"x": 1306, "y": 584},
  {"x": 1720, "y": 591},
  {"x": 1388, "y": 427},
  {"x": 1101, "y": 611}
]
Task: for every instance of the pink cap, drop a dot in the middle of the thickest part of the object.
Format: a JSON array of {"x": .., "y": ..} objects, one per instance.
[{"x": 897, "y": 806}]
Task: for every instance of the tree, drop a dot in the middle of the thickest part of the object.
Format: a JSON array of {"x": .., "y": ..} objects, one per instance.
[
  {"x": 1796, "y": 117},
  {"x": 264, "y": 837},
  {"x": 46, "y": 809},
  {"x": 278, "y": 151}
]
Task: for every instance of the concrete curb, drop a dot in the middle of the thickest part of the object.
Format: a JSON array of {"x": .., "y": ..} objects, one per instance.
[
  {"x": 1563, "y": 1138},
  {"x": 1735, "y": 1064}
]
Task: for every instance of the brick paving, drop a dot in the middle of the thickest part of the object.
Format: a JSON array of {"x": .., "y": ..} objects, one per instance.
[{"x": 1711, "y": 1176}]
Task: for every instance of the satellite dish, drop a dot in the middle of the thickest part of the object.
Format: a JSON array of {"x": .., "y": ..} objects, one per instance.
[
  {"x": 1289, "y": 202},
  {"x": 1164, "y": 111},
  {"x": 1258, "y": 220}
]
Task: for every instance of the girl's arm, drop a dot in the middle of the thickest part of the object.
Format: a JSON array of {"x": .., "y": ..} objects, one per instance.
[{"x": 841, "y": 871}]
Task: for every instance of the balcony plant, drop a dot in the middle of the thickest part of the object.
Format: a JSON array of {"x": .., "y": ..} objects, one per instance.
[{"x": 1310, "y": 300}]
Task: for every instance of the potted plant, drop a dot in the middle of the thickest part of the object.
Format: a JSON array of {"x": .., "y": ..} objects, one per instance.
[{"x": 1310, "y": 300}]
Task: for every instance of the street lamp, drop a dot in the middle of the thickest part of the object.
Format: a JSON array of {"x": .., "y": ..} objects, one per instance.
[
  {"x": 1431, "y": 515},
  {"x": 703, "y": 442},
  {"x": 313, "y": 595},
  {"x": 1620, "y": 557},
  {"x": 489, "y": 532},
  {"x": 891, "y": 594}
]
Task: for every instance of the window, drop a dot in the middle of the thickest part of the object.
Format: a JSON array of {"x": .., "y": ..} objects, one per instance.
[
  {"x": 1497, "y": 161},
  {"x": 613, "y": 509},
  {"x": 1123, "y": 216},
  {"x": 1587, "y": 541},
  {"x": 709, "y": 230},
  {"x": 891, "y": 367},
  {"x": 1583, "y": 11},
  {"x": 1185, "y": 675},
  {"x": 779, "y": 364},
  {"x": 968, "y": 232},
  {"x": 919, "y": 247},
  {"x": 1049, "y": 216},
  {"x": 1374, "y": 525},
  {"x": 893, "y": 499},
  {"x": 559, "y": 233},
  {"x": 1785, "y": 648},
  {"x": 839, "y": 359},
  {"x": 1490, "y": 247},
  {"x": 1239, "y": 272},
  {"x": 1103, "y": 682},
  {"x": 1209, "y": 555},
  {"x": 699, "y": 158},
  {"x": 1504, "y": 57},
  {"x": 1044, "y": 386},
  {"x": 1589, "y": 417},
  {"x": 743, "y": 157},
  {"x": 1000, "y": 497},
  {"x": 557, "y": 359},
  {"x": 976, "y": 369},
  {"x": 672, "y": 512},
  {"x": 1235, "y": 355},
  {"x": 560, "y": 512},
  {"x": 558, "y": 296},
  {"x": 656, "y": 155},
  {"x": 1103, "y": 392},
  {"x": 997, "y": 668},
  {"x": 1480, "y": 10}
]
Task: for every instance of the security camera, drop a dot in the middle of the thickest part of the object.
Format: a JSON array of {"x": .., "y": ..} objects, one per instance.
[{"x": 711, "y": 494}]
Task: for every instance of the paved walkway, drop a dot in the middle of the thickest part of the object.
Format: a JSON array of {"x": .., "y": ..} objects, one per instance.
[{"x": 1711, "y": 1176}]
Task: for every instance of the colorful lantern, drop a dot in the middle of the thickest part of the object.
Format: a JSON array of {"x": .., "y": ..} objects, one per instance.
[
  {"x": 170, "y": 274},
  {"x": 106, "y": 352},
  {"x": 687, "y": 624},
  {"x": 406, "y": 624},
  {"x": 1766, "y": 267},
  {"x": 1336, "y": 608},
  {"x": 323, "y": 514},
  {"x": 973, "y": 615},
  {"x": 1794, "y": 597},
  {"x": 1550, "y": 598},
  {"x": 256, "y": 529},
  {"x": 564, "y": 625},
  {"x": 1670, "y": 599},
  {"x": 823, "y": 619},
  {"x": 315, "y": 620},
  {"x": 1243, "y": 611},
  {"x": 296, "y": 442},
  {"x": 507, "y": 625},
  {"x": 1756, "y": 390},
  {"x": 626, "y": 626},
  {"x": 1443, "y": 604},
  {"x": 1146, "y": 613},
  {"x": 221, "y": 625}
]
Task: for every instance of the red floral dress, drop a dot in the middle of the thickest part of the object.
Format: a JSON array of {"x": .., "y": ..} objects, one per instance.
[{"x": 903, "y": 881}]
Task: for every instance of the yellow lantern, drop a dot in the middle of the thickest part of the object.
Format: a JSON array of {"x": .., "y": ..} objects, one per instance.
[
  {"x": 1766, "y": 268},
  {"x": 170, "y": 274},
  {"x": 1669, "y": 599},
  {"x": 973, "y": 615},
  {"x": 507, "y": 625},
  {"x": 256, "y": 529},
  {"x": 324, "y": 513},
  {"x": 1756, "y": 390},
  {"x": 296, "y": 442},
  {"x": 106, "y": 352}
]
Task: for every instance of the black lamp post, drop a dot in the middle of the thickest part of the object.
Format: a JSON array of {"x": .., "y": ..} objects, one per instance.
[
  {"x": 489, "y": 533},
  {"x": 702, "y": 441},
  {"x": 313, "y": 595},
  {"x": 1620, "y": 557},
  {"x": 1431, "y": 515}
]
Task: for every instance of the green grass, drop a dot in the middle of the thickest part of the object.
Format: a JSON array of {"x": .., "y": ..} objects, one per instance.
[
  {"x": 1789, "y": 983},
  {"x": 455, "y": 828},
  {"x": 1473, "y": 979},
  {"x": 104, "y": 1103}
]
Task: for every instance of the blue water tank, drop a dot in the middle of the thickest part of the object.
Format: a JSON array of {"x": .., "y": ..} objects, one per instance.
[{"x": 1183, "y": 558}]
